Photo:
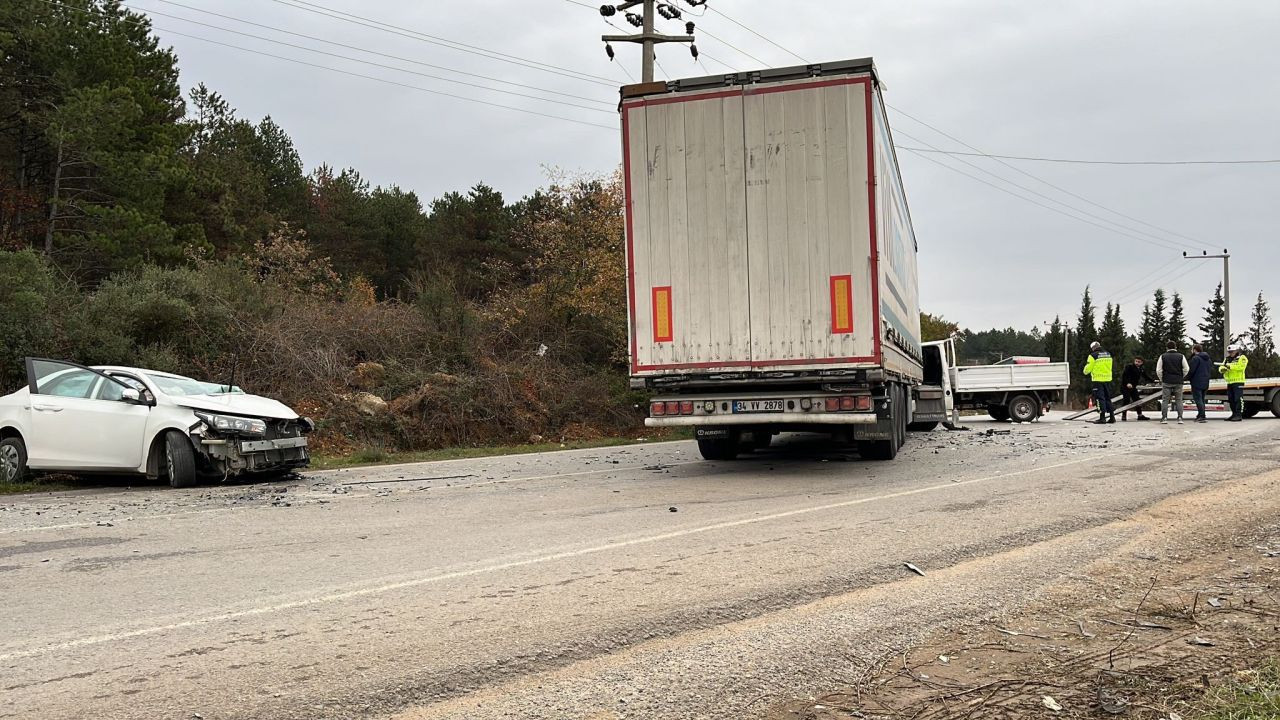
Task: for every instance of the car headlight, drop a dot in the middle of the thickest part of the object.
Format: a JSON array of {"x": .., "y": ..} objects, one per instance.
[{"x": 233, "y": 425}]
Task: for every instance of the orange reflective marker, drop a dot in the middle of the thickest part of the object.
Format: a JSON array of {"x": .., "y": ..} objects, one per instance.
[
  {"x": 662, "y": 325},
  {"x": 841, "y": 304}
]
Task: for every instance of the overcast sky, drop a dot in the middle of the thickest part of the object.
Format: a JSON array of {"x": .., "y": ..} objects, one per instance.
[{"x": 1132, "y": 80}]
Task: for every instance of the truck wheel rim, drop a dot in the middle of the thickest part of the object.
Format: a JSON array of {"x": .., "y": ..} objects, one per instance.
[{"x": 9, "y": 463}]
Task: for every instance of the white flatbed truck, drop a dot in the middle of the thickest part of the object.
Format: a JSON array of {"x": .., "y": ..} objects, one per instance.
[
  {"x": 1020, "y": 392},
  {"x": 771, "y": 263}
]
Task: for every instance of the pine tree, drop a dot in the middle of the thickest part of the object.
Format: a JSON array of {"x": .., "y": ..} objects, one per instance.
[
  {"x": 1262, "y": 340},
  {"x": 1053, "y": 340},
  {"x": 1177, "y": 330},
  {"x": 1112, "y": 335},
  {"x": 1211, "y": 328},
  {"x": 1154, "y": 332}
]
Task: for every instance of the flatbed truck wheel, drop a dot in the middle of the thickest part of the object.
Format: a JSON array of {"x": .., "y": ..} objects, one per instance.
[
  {"x": 1023, "y": 408},
  {"x": 719, "y": 448},
  {"x": 998, "y": 412},
  {"x": 1251, "y": 410},
  {"x": 1275, "y": 404}
]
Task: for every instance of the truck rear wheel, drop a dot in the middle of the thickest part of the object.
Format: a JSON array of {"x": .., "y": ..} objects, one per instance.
[
  {"x": 1023, "y": 408},
  {"x": 888, "y": 449},
  {"x": 998, "y": 412},
  {"x": 1275, "y": 404},
  {"x": 923, "y": 426},
  {"x": 719, "y": 448}
]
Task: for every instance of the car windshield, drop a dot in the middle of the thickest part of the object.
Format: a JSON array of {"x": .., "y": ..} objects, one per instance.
[{"x": 178, "y": 386}]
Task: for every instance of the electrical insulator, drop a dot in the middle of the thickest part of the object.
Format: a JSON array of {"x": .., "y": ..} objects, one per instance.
[
  {"x": 675, "y": 12},
  {"x": 664, "y": 12},
  {"x": 693, "y": 50},
  {"x": 688, "y": 28},
  {"x": 608, "y": 50},
  {"x": 608, "y": 10},
  {"x": 635, "y": 19}
]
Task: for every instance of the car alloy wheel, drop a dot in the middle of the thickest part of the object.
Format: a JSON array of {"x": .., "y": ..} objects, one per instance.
[{"x": 9, "y": 463}]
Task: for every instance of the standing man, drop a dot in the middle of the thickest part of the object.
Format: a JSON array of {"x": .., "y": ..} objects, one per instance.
[
  {"x": 1198, "y": 376},
  {"x": 1233, "y": 370},
  {"x": 1098, "y": 368},
  {"x": 1172, "y": 369},
  {"x": 1134, "y": 376}
]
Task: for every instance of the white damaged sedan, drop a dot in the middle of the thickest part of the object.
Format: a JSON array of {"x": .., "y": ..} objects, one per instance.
[{"x": 108, "y": 419}]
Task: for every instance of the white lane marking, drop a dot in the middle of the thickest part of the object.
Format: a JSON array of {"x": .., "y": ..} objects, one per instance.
[
  {"x": 455, "y": 485},
  {"x": 566, "y": 555}
]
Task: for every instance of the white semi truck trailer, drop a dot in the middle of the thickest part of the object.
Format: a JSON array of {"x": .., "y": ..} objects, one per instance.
[{"x": 771, "y": 264}]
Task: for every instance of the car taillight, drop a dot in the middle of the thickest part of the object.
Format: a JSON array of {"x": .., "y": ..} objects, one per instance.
[
  {"x": 833, "y": 404},
  {"x": 864, "y": 402},
  {"x": 686, "y": 407},
  {"x": 657, "y": 409},
  {"x": 673, "y": 407},
  {"x": 846, "y": 402}
]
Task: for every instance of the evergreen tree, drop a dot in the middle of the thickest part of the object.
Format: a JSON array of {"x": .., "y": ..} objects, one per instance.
[
  {"x": 1154, "y": 332},
  {"x": 1262, "y": 341},
  {"x": 1053, "y": 340},
  {"x": 1112, "y": 335},
  {"x": 1211, "y": 328},
  {"x": 1177, "y": 330}
]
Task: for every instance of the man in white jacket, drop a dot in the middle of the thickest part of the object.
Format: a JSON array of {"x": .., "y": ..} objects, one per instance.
[{"x": 1172, "y": 368}]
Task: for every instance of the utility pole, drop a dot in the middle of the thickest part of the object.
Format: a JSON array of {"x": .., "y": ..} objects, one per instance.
[
  {"x": 1226, "y": 291},
  {"x": 648, "y": 36}
]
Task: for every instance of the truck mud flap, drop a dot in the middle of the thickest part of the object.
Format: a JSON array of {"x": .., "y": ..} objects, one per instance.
[{"x": 713, "y": 433}]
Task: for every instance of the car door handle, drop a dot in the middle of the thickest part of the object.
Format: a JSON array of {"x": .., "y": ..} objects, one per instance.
[{"x": 47, "y": 408}]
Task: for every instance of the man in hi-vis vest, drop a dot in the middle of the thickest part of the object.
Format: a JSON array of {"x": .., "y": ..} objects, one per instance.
[
  {"x": 1098, "y": 368},
  {"x": 1233, "y": 372}
]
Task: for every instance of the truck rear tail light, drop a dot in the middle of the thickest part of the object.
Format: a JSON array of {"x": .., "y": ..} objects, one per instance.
[
  {"x": 864, "y": 402},
  {"x": 673, "y": 407},
  {"x": 657, "y": 409},
  {"x": 686, "y": 407},
  {"x": 846, "y": 402},
  {"x": 833, "y": 404}
]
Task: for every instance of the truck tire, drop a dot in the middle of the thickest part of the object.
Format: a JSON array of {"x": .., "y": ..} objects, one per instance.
[
  {"x": 998, "y": 412},
  {"x": 1251, "y": 410},
  {"x": 179, "y": 460},
  {"x": 761, "y": 440},
  {"x": 719, "y": 449},
  {"x": 1023, "y": 408},
  {"x": 13, "y": 460},
  {"x": 923, "y": 426},
  {"x": 1275, "y": 404}
]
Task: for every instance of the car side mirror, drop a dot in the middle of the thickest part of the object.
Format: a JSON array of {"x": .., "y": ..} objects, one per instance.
[{"x": 134, "y": 397}]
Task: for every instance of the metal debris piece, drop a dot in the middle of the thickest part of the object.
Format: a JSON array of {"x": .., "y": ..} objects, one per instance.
[
  {"x": 914, "y": 569},
  {"x": 1051, "y": 703},
  {"x": 1215, "y": 602},
  {"x": 673, "y": 508}
]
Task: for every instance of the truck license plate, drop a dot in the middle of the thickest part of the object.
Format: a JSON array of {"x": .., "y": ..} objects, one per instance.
[{"x": 758, "y": 406}]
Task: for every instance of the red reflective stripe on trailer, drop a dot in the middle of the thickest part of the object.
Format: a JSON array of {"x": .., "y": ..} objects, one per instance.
[
  {"x": 662, "y": 320},
  {"x": 841, "y": 304},
  {"x": 631, "y": 260},
  {"x": 877, "y": 328}
]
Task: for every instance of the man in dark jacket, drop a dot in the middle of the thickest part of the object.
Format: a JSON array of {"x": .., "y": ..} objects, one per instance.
[
  {"x": 1134, "y": 375},
  {"x": 1201, "y": 366}
]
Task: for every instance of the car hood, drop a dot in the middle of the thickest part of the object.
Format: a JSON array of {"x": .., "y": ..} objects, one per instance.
[{"x": 237, "y": 404}]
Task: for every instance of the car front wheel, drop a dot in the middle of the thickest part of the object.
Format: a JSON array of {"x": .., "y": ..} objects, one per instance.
[
  {"x": 13, "y": 460},
  {"x": 179, "y": 460}
]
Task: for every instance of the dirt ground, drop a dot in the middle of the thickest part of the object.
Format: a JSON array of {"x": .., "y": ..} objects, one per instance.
[{"x": 1190, "y": 605}]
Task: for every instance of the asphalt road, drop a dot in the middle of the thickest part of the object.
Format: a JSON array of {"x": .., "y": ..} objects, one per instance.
[{"x": 629, "y": 582}]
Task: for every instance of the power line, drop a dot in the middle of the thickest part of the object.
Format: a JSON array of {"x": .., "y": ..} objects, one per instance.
[
  {"x": 1141, "y": 279},
  {"x": 375, "y": 64},
  {"x": 1167, "y": 281},
  {"x": 1027, "y": 199},
  {"x": 753, "y": 32},
  {"x": 731, "y": 46},
  {"x": 350, "y": 47},
  {"x": 443, "y": 42},
  {"x": 1101, "y": 162},
  {"x": 1055, "y": 187},
  {"x": 341, "y": 71},
  {"x": 1157, "y": 241}
]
